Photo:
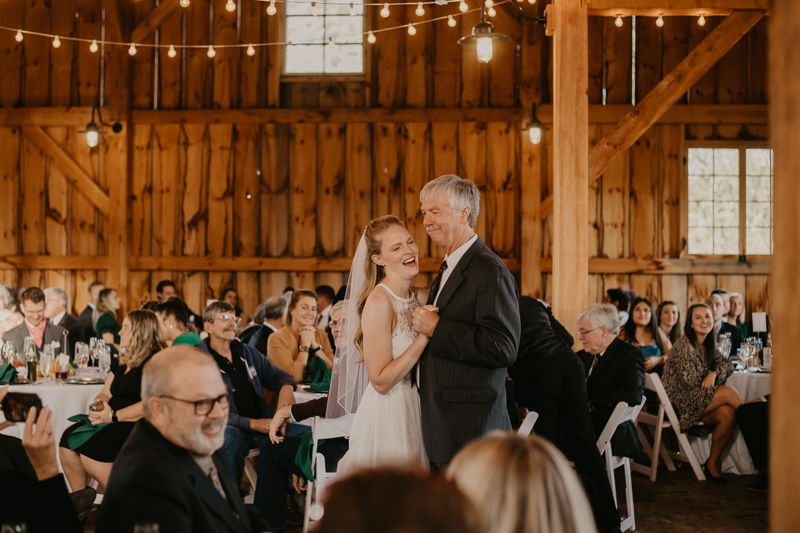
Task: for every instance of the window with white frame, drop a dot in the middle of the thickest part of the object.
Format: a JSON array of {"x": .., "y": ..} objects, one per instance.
[
  {"x": 730, "y": 200},
  {"x": 326, "y": 37}
]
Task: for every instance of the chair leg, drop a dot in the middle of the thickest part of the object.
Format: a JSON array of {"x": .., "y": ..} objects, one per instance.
[
  {"x": 629, "y": 492},
  {"x": 686, "y": 449},
  {"x": 610, "y": 471},
  {"x": 309, "y": 491}
]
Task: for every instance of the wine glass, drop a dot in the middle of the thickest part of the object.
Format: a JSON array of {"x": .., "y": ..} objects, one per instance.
[
  {"x": 45, "y": 365},
  {"x": 105, "y": 359},
  {"x": 10, "y": 353}
]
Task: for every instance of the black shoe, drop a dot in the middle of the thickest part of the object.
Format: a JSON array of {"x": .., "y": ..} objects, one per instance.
[
  {"x": 719, "y": 480},
  {"x": 700, "y": 431},
  {"x": 761, "y": 486},
  {"x": 295, "y": 514},
  {"x": 83, "y": 500}
]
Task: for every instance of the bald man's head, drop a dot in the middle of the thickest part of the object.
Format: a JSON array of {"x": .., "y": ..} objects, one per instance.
[{"x": 165, "y": 373}]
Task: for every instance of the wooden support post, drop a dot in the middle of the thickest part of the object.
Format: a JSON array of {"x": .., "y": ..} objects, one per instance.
[
  {"x": 571, "y": 162},
  {"x": 530, "y": 201},
  {"x": 784, "y": 63}
]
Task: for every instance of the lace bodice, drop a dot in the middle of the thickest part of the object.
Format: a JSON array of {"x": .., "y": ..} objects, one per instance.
[{"x": 403, "y": 334}]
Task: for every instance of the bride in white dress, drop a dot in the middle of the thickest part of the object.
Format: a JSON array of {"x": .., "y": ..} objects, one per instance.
[{"x": 387, "y": 429}]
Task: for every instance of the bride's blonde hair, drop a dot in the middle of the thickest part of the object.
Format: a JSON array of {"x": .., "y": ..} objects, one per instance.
[{"x": 373, "y": 273}]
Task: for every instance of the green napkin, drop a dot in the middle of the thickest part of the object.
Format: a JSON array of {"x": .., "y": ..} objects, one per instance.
[
  {"x": 8, "y": 374},
  {"x": 303, "y": 457},
  {"x": 191, "y": 339},
  {"x": 78, "y": 437},
  {"x": 319, "y": 377}
]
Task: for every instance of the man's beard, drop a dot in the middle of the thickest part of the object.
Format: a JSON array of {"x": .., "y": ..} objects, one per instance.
[{"x": 198, "y": 442}]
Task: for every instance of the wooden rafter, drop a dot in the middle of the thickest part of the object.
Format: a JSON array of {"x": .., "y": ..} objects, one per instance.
[
  {"x": 507, "y": 23},
  {"x": 673, "y": 8},
  {"x": 72, "y": 170},
  {"x": 54, "y": 262},
  {"x": 154, "y": 20},
  {"x": 114, "y": 30}
]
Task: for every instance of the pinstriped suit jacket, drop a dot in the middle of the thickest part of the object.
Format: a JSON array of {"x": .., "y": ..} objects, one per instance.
[{"x": 463, "y": 369}]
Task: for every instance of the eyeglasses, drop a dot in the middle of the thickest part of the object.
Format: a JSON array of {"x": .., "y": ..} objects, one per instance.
[
  {"x": 226, "y": 318},
  {"x": 582, "y": 333},
  {"x": 203, "y": 407},
  {"x": 334, "y": 323}
]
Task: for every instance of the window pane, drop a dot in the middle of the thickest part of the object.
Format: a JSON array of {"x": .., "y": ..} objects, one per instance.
[
  {"x": 758, "y": 215},
  {"x": 726, "y": 215},
  {"x": 345, "y": 29},
  {"x": 758, "y": 241},
  {"x": 700, "y": 187},
  {"x": 759, "y": 211},
  {"x": 305, "y": 58},
  {"x": 726, "y": 189},
  {"x": 726, "y": 241},
  {"x": 726, "y": 162},
  {"x": 759, "y": 162},
  {"x": 304, "y": 30},
  {"x": 701, "y": 214},
  {"x": 701, "y": 161},
  {"x": 298, "y": 8},
  {"x": 758, "y": 189},
  {"x": 701, "y": 241},
  {"x": 344, "y": 58}
]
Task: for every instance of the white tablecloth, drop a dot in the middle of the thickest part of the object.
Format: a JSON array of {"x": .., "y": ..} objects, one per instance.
[
  {"x": 736, "y": 457},
  {"x": 64, "y": 400}
]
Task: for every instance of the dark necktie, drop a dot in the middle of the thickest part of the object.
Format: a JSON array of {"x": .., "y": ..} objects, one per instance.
[
  {"x": 436, "y": 283},
  {"x": 594, "y": 364}
]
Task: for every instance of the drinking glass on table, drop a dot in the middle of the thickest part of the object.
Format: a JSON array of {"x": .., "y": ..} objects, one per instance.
[
  {"x": 92, "y": 350},
  {"x": 45, "y": 365},
  {"x": 105, "y": 359}
]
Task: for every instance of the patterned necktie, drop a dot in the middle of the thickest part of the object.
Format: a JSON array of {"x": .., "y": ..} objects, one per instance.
[
  {"x": 594, "y": 364},
  {"x": 214, "y": 476},
  {"x": 436, "y": 283}
]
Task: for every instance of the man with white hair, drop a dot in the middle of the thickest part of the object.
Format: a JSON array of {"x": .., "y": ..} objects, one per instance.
[
  {"x": 614, "y": 373},
  {"x": 172, "y": 471},
  {"x": 55, "y": 309}
]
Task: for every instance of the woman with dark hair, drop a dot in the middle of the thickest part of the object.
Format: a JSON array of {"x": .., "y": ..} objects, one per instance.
[
  {"x": 642, "y": 331},
  {"x": 232, "y": 297},
  {"x": 104, "y": 316},
  {"x": 668, "y": 315},
  {"x": 173, "y": 317},
  {"x": 694, "y": 378}
]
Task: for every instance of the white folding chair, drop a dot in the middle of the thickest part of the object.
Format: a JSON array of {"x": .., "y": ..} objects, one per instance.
[
  {"x": 527, "y": 424},
  {"x": 250, "y": 472},
  {"x": 622, "y": 413},
  {"x": 322, "y": 428},
  {"x": 655, "y": 425}
]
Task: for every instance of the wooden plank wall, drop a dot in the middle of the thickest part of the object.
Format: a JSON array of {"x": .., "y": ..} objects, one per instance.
[{"x": 306, "y": 190}]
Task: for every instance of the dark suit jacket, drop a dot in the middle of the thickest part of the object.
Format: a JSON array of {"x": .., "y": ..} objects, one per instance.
[
  {"x": 18, "y": 334},
  {"x": 260, "y": 338},
  {"x": 248, "y": 332},
  {"x": 85, "y": 321},
  {"x": 75, "y": 329},
  {"x": 463, "y": 369},
  {"x": 155, "y": 481},
  {"x": 736, "y": 336},
  {"x": 617, "y": 377}
]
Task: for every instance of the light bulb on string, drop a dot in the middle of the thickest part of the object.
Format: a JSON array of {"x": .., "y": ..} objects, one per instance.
[
  {"x": 412, "y": 30},
  {"x": 353, "y": 11},
  {"x": 93, "y": 47},
  {"x": 451, "y": 21},
  {"x": 701, "y": 20},
  {"x": 56, "y": 42},
  {"x": 385, "y": 11},
  {"x": 618, "y": 21},
  {"x": 18, "y": 37},
  {"x": 132, "y": 49},
  {"x": 331, "y": 44},
  {"x": 660, "y": 21},
  {"x": 271, "y": 10},
  {"x": 491, "y": 12},
  {"x": 172, "y": 52},
  {"x": 488, "y": 3},
  {"x": 531, "y": 2},
  {"x": 371, "y": 38},
  {"x": 230, "y": 6},
  {"x": 314, "y": 9},
  {"x": 211, "y": 51},
  {"x": 462, "y": 6},
  {"x": 184, "y": 3},
  {"x": 420, "y": 11}
]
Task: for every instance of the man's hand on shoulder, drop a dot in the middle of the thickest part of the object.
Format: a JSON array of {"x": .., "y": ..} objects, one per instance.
[
  {"x": 425, "y": 319},
  {"x": 261, "y": 425}
]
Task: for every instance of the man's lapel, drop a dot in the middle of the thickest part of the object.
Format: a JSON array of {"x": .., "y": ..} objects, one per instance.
[
  {"x": 457, "y": 276},
  {"x": 205, "y": 488},
  {"x": 606, "y": 359}
]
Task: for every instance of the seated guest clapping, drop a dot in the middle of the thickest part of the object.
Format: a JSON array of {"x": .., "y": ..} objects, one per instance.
[
  {"x": 521, "y": 485},
  {"x": 669, "y": 320},
  {"x": 293, "y": 347},
  {"x": 174, "y": 318},
  {"x": 614, "y": 373},
  {"x": 120, "y": 405},
  {"x": 247, "y": 373},
  {"x": 694, "y": 378},
  {"x": 642, "y": 331},
  {"x": 171, "y": 472}
]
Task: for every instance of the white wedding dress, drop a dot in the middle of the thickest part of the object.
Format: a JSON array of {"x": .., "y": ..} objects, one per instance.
[{"x": 387, "y": 428}]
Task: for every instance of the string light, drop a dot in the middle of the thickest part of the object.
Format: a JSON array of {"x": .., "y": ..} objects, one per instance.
[
  {"x": 488, "y": 4},
  {"x": 462, "y": 6},
  {"x": 451, "y": 21},
  {"x": 211, "y": 51},
  {"x": 271, "y": 10},
  {"x": 132, "y": 50},
  {"x": 19, "y": 36},
  {"x": 230, "y": 6},
  {"x": 56, "y": 42},
  {"x": 420, "y": 10},
  {"x": 172, "y": 52},
  {"x": 531, "y": 2},
  {"x": 93, "y": 47},
  {"x": 660, "y": 21},
  {"x": 353, "y": 11},
  {"x": 385, "y": 11},
  {"x": 184, "y": 3},
  {"x": 250, "y": 50},
  {"x": 618, "y": 21},
  {"x": 701, "y": 20},
  {"x": 314, "y": 9},
  {"x": 411, "y": 29},
  {"x": 491, "y": 12},
  {"x": 371, "y": 38}
]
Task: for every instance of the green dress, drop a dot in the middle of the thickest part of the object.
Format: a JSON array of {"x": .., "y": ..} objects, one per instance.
[
  {"x": 107, "y": 324},
  {"x": 191, "y": 339}
]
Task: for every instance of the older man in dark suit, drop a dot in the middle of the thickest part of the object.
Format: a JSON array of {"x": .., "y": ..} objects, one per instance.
[
  {"x": 55, "y": 310},
  {"x": 172, "y": 471},
  {"x": 472, "y": 319},
  {"x": 614, "y": 373},
  {"x": 35, "y": 324}
]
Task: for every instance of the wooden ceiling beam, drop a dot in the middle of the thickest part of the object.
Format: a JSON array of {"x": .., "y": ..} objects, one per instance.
[
  {"x": 154, "y": 20},
  {"x": 507, "y": 23},
  {"x": 72, "y": 170},
  {"x": 54, "y": 262},
  {"x": 673, "y": 8}
]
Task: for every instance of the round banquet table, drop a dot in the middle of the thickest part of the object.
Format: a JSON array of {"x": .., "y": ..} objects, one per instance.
[
  {"x": 64, "y": 400},
  {"x": 736, "y": 457}
]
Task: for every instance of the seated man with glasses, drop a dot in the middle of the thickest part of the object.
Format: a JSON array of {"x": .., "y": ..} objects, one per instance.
[
  {"x": 172, "y": 472},
  {"x": 247, "y": 373},
  {"x": 614, "y": 373}
]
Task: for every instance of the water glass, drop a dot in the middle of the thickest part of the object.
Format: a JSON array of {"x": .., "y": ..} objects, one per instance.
[
  {"x": 105, "y": 359},
  {"x": 45, "y": 365}
]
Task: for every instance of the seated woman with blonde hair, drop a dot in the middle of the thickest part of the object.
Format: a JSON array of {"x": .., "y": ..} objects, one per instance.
[{"x": 521, "y": 485}]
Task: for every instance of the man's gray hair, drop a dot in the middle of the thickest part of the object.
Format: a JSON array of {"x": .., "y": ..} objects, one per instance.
[
  {"x": 61, "y": 293},
  {"x": 274, "y": 308},
  {"x": 337, "y": 305},
  {"x": 601, "y": 316},
  {"x": 157, "y": 373},
  {"x": 462, "y": 192},
  {"x": 216, "y": 307}
]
